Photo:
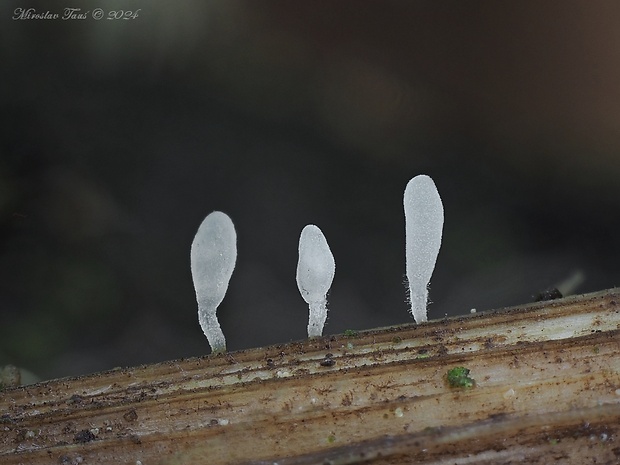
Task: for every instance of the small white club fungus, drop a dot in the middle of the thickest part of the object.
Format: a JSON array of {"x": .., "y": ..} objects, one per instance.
[
  {"x": 423, "y": 228},
  {"x": 315, "y": 272},
  {"x": 213, "y": 257}
]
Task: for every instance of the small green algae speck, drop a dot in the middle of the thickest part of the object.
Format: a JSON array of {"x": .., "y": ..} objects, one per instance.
[
  {"x": 331, "y": 438},
  {"x": 350, "y": 333},
  {"x": 459, "y": 378}
]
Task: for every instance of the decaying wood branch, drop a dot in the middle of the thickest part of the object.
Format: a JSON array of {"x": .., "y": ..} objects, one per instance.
[{"x": 543, "y": 387}]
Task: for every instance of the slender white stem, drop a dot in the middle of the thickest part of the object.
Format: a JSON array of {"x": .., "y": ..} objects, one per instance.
[
  {"x": 211, "y": 327},
  {"x": 318, "y": 315},
  {"x": 418, "y": 300}
]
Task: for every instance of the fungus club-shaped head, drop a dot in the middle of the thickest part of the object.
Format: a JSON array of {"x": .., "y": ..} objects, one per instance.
[
  {"x": 423, "y": 229},
  {"x": 213, "y": 257},
  {"x": 315, "y": 272}
]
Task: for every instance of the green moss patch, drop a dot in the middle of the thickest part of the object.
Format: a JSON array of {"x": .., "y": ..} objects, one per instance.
[{"x": 459, "y": 378}]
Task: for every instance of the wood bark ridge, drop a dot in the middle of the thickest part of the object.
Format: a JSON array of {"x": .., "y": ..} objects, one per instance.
[{"x": 546, "y": 389}]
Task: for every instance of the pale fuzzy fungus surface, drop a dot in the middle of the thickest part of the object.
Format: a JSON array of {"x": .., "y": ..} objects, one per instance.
[
  {"x": 213, "y": 257},
  {"x": 423, "y": 228},
  {"x": 315, "y": 272}
]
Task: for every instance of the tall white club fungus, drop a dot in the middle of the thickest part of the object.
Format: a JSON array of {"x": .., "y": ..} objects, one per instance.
[
  {"x": 423, "y": 228},
  {"x": 213, "y": 257},
  {"x": 315, "y": 272}
]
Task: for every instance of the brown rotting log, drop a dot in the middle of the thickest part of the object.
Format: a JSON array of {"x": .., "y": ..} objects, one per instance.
[{"x": 547, "y": 390}]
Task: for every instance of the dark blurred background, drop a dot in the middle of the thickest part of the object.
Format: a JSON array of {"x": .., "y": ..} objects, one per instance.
[{"x": 119, "y": 136}]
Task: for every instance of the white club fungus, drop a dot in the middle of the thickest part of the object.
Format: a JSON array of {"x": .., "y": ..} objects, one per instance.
[
  {"x": 423, "y": 227},
  {"x": 213, "y": 257},
  {"x": 315, "y": 272}
]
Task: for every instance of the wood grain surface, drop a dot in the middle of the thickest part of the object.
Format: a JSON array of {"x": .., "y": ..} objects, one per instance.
[{"x": 546, "y": 390}]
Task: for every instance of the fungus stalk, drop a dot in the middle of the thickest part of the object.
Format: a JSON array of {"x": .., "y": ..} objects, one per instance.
[
  {"x": 213, "y": 257},
  {"x": 423, "y": 228},
  {"x": 315, "y": 272}
]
